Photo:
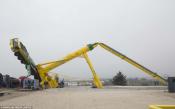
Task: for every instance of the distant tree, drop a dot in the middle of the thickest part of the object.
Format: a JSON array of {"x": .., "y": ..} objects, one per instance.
[{"x": 119, "y": 79}]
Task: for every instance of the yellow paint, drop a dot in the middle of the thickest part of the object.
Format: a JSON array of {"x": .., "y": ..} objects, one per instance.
[
  {"x": 162, "y": 107},
  {"x": 96, "y": 80}
]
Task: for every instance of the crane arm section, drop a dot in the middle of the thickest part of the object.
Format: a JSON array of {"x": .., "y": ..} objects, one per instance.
[
  {"x": 46, "y": 67},
  {"x": 132, "y": 62},
  {"x": 89, "y": 47}
]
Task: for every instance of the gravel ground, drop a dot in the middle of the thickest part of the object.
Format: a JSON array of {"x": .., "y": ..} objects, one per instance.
[{"x": 88, "y": 98}]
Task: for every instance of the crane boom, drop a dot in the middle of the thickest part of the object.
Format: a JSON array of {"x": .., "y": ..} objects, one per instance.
[
  {"x": 132, "y": 62},
  {"x": 40, "y": 71},
  {"x": 113, "y": 51}
]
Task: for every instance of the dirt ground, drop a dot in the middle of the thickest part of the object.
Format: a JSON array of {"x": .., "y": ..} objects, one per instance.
[
  {"x": 88, "y": 98},
  {"x": 12, "y": 93}
]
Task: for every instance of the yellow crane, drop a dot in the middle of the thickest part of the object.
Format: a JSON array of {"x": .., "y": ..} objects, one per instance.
[{"x": 40, "y": 71}]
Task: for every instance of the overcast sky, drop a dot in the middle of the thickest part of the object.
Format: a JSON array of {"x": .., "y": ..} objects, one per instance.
[{"x": 144, "y": 30}]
